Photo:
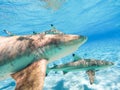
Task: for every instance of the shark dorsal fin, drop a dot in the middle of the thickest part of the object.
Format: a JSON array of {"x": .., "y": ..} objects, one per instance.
[
  {"x": 49, "y": 32},
  {"x": 91, "y": 75},
  {"x": 53, "y": 30},
  {"x": 76, "y": 58}
]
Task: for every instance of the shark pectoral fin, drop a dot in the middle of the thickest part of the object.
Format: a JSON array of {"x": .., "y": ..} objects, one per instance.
[
  {"x": 32, "y": 77},
  {"x": 91, "y": 75}
]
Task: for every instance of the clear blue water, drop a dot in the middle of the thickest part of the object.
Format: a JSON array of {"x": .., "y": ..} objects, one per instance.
[{"x": 99, "y": 20}]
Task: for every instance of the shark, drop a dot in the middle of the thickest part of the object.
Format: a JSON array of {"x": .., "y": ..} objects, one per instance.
[
  {"x": 24, "y": 57},
  {"x": 88, "y": 65}
]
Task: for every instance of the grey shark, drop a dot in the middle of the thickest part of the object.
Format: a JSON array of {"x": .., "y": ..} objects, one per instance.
[
  {"x": 88, "y": 65},
  {"x": 25, "y": 57}
]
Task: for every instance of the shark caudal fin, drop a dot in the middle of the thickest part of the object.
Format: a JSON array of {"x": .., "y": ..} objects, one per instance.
[
  {"x": 91, "y": 75},
  {"x": 32, "y": 77}
]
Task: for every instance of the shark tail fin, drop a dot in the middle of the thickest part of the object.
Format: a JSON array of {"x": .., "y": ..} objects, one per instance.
[
  {"x": 91, "y": 75},
  {"x": 32, "y": 77}
]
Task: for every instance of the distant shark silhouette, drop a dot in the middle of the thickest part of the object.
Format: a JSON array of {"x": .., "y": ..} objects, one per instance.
[
  {"x": 88, "y": 65},
  {"x": 25, "y": 57}
]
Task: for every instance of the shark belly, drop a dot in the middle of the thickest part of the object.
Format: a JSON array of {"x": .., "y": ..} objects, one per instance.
[
  {"x": 15, "y": 65},
  {"x": 74, "y": 69},
  {"x": 68, "y": 69}
]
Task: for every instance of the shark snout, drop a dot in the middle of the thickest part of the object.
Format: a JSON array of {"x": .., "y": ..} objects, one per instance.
[
  {"x": 78, "y": 38},
  {"x": 71, "y": 37},
  {"x": 75, "y": 40},
  {"x": 84, "y": 38}
]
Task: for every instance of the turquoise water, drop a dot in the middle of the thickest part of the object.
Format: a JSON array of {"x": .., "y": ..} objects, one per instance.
[{"x": 99, "y": 20}]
